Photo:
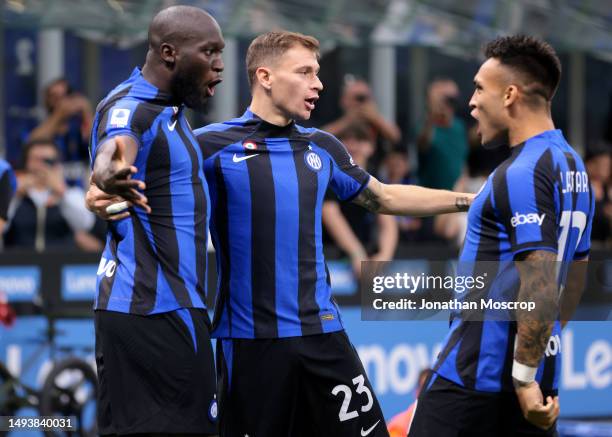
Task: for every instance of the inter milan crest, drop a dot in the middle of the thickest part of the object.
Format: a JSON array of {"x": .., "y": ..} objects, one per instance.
[
  {"x": 249, "y": 145},
  {"x": 313, "y": 161}
]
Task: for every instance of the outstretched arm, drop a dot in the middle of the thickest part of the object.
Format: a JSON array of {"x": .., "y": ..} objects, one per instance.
[
  {"x": 113, "y": 169},
  {"x": 411, "y": 199}
]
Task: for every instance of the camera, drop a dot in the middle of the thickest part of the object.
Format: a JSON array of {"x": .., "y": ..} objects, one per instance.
[
  {"x": 51, "y": 162},
  {"x": 362, "y": 98},
  {"x": 451, "y": 101}
]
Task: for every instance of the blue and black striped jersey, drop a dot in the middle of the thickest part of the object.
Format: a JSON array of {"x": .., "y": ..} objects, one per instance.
[
  {"x": 538, "y": 199},
  {"x": 154, "y": 263},
  {"x": 8, "y": 185},
  {"x": 267, "y": 185}
]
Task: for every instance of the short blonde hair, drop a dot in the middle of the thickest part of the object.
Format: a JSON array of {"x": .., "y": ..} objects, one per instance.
[{"x": 271, "y": 45}]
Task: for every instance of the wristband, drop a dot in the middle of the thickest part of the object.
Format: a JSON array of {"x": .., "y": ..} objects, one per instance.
[
  {"x": 116, "y": 208},
  {"x": 523, "y": 373}
]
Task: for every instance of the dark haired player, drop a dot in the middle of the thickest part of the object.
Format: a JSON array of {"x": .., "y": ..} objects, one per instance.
[
  {"x": 153, "y": 350},
  {"x": 500, "y": 378}
]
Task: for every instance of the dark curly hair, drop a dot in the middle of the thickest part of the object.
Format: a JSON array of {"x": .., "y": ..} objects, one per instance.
[{"x": 533, "y": 58}]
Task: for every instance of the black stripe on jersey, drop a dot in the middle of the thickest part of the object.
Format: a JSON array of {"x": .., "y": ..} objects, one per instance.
[
  {"x": 108, "y": 102},
  {"x": 549, "y": 370},
  {"x": 469, "y": 353},
  {"x": 506, "y": 376},
  {"x": 544, "y": 194},
  {"x": 456, "y": 336},
  {"x": 559, "y": 183},
  {"x": 145, "y": 273},
  {"x": 502, "y": 198},
  {"x": 200, "y": 213},
  {"x": 580, "y": 255},
  {"x": 106, "y": 284},
  {"x": 488, "y": 244},
  {"x": 212, "y": 141},
  {"x": 308, "y": 183},
  {"x": 158, "y": 191},
  {"x": 220, "y": 220},
  {"x": 571, "y": 162},
  {"x": 333, "y": 146},
  {"x": 263, "y": 245},
  {"x": 100, "y": 133},
  {"x": 6, "y": 192},
  {"x": 269, "y": 130}
]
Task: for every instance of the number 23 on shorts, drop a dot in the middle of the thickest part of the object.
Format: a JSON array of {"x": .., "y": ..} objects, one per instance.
[{"x": 360, "y": 387}]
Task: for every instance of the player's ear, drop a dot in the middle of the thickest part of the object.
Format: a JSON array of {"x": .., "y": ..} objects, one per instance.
[
  {"x": 264, "y": 77},
  {"x": 168, "y": 53},
  {"x": 510, "y": 95}
]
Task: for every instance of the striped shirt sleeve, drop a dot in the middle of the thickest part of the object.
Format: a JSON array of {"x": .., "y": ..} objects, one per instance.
[
  {"x": 124, "y": 117},
  {"x": 347, "y": 179}
]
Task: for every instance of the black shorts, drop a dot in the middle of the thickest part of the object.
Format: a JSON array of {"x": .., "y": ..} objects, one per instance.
[
  {"x": 291, "y": 387},
  {"x": 156, "y": 373},
  {"x": 449, "y": 410}
]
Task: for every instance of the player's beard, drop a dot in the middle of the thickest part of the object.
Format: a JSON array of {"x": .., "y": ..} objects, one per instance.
[{"x": 191, "y": 92}]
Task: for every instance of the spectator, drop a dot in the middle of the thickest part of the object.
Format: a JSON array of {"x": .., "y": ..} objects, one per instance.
[
  {"x": 480, "y": 163},
  {"x": 597, "y": 162},
  {"x": 353, "y": 227},
  {"x": 359, "y": 108},
  {"x": 442, "y": 140},
  {"x": 45, "y": 212},
  {"x": 396, "y": 167},
  {"x": 8, "y": 184},
  {"x": 68, "y": 123}
]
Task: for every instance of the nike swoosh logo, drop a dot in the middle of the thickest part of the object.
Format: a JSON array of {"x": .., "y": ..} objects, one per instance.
[
  {"x": 242, "y": 158},
  {"x": 365, "y": 433},
  {"x": 171, "y": 126}
]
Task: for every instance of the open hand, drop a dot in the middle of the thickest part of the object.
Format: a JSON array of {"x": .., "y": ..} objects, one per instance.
[
  {"x": 97, "y": 201},
  {"x": 119, "y": 182}
]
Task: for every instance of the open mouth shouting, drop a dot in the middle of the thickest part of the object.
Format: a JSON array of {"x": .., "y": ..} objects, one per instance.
[
  {"x": 210, "y": 88},
  {"x": 310, "y": 102}
]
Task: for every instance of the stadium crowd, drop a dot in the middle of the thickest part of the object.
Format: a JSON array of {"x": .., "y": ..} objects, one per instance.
[{"x": 443, "y": 152}]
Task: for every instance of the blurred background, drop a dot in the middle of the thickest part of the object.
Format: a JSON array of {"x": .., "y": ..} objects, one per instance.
[{"x": 398, "y": 78}]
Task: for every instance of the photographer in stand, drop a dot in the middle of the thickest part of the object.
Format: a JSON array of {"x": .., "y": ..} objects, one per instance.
[
  {"x": 68, "y": 124},
  {"x": 359, "y": 108},
  {"x": 442, "y": 139},
  {"x": 45, "y": 212}
]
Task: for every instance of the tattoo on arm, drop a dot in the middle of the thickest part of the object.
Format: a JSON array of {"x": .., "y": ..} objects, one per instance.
[
  {"x": 462, "y": 203},
  {"x": 538, "y": 285},
  {"x": 368, "y": 199}
]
